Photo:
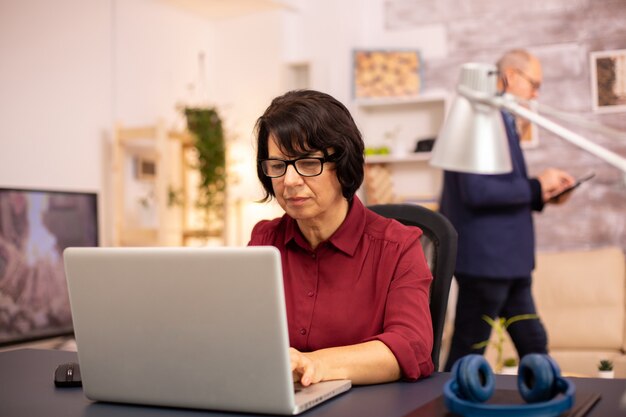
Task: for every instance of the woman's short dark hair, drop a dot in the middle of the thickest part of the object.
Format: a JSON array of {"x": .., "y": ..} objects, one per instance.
[{"x": 305, "y": 121}]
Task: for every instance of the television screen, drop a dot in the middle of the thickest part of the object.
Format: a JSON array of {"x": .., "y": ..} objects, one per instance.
[{"x": 35, "y": 227}]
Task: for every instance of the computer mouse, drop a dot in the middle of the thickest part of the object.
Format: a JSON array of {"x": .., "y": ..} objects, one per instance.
[{"x": 68, "y": 375}]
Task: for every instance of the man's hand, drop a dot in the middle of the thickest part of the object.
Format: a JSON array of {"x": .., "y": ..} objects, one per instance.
[{"x": 553, "y": 181}]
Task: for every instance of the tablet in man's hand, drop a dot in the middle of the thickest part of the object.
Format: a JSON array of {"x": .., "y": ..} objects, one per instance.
[{"x": 576, "y": 184}]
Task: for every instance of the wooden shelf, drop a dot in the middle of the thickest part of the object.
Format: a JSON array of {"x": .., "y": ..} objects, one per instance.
[
  {"x": 199, "y": 234},
  {"x": 424, "y": 98},
  {"x": 163, "y": 224},
  {"x": 399, "y": 123},
  {"x": 138, "y": 237},
  {"x": 392, "y": 159}
]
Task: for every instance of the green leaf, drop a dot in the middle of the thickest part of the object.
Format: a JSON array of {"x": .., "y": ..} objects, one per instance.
[
  {"x": 519, "y": 317},
  {"x": 480, "y": 345},
  {"x": 489, "y": 320}
]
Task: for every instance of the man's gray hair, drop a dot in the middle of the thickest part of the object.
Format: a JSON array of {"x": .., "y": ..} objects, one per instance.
[{"x": 515, "y": 58}]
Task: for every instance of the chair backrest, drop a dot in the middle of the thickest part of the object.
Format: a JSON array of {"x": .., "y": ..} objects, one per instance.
[{"x": 439, "y": 243}]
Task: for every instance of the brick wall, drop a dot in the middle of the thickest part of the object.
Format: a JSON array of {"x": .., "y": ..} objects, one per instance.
[{"x": 562, "y": 33}]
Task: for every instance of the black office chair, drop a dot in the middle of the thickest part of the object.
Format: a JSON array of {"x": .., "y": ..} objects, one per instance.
[{"x": 439, "y": 243}]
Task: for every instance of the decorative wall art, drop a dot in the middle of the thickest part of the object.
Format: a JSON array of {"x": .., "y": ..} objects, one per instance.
[
  {"x": 386, "y": 73},
  {"x": 608, "y": 81},
  {"x": 145, "y": 168}
]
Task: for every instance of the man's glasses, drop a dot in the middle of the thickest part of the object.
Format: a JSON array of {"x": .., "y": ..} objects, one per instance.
[
  {"x": 536, "y": 85},
  {"x": 307, "y": 166}
]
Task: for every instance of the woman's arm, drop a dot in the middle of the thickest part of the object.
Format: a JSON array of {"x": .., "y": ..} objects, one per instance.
[
  {"x": 403, "y": 347},
  {"x": 364, "y": 363}
]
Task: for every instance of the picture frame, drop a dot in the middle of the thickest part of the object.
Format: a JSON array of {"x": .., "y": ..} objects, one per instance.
[
  {"x": 145, "y": 168},
  {"x": 608, "y": 81},
  {"x": 384, "y": 73}
]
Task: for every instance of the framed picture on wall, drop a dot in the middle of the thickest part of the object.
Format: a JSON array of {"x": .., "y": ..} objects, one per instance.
[
  {"x": 386, "y": 73},
  {"x": 145, "y": 168},
  {"x": 608, "y": 81}
]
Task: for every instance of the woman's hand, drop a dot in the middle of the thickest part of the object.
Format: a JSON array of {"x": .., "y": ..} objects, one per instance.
[
  {"x": 364, "y": 363},
  {"x": 303, "y": 367}
]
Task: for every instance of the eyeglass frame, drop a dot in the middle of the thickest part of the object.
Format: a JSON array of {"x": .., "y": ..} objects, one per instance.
[
  {"x": 287, "y": 162},
  {"x": 536, "y": 85}
]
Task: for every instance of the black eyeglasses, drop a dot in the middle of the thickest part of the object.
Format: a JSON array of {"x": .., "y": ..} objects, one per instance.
[
  {"x": 307, "y": 166},
  {"x": 536, "y": 85}
]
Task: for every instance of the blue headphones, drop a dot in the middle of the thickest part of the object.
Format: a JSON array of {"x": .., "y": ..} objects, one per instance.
[{"x": 539, "y": 382}]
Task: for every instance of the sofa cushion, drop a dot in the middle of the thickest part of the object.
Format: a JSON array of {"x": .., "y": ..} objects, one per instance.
[
  {"x": 580, "y": 298},
  {"x": 584, "y": 363}
]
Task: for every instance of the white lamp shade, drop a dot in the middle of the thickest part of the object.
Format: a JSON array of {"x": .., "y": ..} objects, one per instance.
[{"x": 473, "y": 137}]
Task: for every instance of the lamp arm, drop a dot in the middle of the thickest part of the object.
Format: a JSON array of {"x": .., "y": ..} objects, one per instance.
[
  {"x": 509, "y": 104},
  {"x": 577, "y": 120},
  {"x": 583, "y": 143}
]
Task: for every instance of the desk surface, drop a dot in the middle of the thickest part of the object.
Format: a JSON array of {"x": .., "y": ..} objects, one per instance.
[{"x": 27, "y": 389}]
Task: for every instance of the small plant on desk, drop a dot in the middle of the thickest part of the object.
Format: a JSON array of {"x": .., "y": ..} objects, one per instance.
[
  {"x": 509, "y": 366},
  {"x": 605, "y": 369},
  {"x": 510, "y": 362}
]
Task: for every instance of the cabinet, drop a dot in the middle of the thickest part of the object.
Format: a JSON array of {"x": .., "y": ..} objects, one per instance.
[{"x": 402, "y": 175}]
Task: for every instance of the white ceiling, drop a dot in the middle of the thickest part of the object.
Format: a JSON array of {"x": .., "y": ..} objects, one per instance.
[{"x": 221, "y": 9}]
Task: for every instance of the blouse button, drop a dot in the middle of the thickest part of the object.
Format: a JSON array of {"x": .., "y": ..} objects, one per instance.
[
  {"x": 302, "y": 332},
  {"x": 310, "y": 293},
  {"x": 313, "y": 255}
]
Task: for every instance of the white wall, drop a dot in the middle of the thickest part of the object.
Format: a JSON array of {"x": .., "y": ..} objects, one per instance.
[
  {"x": 55, "y": 100},
  {"x": 248, "y": 68},
  {"x": 70, "y": 69},
  {"x": 156, "y": 48},
  {"x": 328, "y": 31}
]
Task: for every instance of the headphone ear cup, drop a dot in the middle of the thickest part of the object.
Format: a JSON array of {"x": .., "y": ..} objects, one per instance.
[
  {"x": 474, "y": 378},
  {"x": 538, "y": 377}
]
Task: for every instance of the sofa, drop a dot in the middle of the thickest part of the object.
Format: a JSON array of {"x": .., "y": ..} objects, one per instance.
[{"x": 581, "y": 299}]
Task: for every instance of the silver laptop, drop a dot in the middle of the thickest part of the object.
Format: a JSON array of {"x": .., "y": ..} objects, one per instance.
[{"x": 186, "y": 327}]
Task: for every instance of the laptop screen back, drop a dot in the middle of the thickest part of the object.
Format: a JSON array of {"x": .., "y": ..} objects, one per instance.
[{"x": 187, "y": 327}]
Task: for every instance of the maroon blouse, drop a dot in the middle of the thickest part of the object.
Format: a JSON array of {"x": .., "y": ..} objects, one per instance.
[{"x": 368, "y": 281}]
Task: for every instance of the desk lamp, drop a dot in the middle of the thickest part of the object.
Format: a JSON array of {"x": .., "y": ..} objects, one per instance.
[{"x": 473, "y": 138}]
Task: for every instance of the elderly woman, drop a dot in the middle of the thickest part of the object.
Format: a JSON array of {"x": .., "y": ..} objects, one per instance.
[{"x": 356, "y": 283}]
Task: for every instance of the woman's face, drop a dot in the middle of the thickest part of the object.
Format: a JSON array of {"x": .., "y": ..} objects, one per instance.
[{"x": 306, "y": 198}]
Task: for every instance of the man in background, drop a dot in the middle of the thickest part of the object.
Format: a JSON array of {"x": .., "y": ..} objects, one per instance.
[{"x": 493, "y": 217}]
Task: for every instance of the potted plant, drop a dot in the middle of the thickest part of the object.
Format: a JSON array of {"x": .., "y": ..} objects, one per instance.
[
  {"x": 509, "y": 366},
  {"x": 206, "y": 125},
  {"x": 499, "y": 325},
  {"x": 605, "y": 369}
]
